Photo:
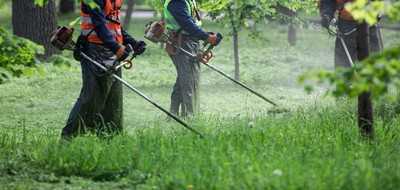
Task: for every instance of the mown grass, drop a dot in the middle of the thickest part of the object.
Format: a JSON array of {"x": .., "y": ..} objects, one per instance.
[{"x": 319, "y": 149}]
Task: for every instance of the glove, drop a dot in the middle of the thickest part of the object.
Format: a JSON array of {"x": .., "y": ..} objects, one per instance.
[
  {"x": 139, "y": 47},
  {"x": 325, "y": 21},
  {"x": 123, "y": 52}
]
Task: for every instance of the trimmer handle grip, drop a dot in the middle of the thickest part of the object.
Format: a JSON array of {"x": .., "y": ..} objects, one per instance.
[
  {"x": 209, "y": 47},
  {"x": 219, "y": 38}
]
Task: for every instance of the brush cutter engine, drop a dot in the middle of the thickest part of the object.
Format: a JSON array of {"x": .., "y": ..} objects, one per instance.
[
  {"x": 61, "y": 38},
  {"x": 155, "y": 32}
]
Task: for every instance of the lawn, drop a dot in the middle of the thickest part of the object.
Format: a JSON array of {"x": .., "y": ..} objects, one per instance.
[{"x": 248, "y": 144}]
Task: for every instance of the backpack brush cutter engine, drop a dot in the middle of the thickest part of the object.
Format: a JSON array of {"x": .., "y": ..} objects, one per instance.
[
  {"x": 62, "y": 40},
  {"x": 155, "y": 32}
]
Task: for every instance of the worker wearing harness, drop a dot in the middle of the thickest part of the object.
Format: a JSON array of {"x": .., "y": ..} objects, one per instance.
[
  {"x": 183, "y": 22},
  {"x": 99, "y": 106},
  {"x": 351, "y": 31},
  {"x": 354, "y": 42}
]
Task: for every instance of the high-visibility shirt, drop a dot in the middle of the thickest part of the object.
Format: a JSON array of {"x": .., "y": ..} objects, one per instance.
[
  {"x": 112, "y": 11},
  {"x": 170, "y": 22}
]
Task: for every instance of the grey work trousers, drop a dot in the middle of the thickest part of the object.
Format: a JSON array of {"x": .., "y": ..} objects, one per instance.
[{"x": 185, "y": 93}]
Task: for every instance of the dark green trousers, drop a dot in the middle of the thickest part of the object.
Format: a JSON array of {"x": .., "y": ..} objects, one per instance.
[
  {"x": 185, "y": 93},
  {"x": 99, "y": 106},
  {"x": 359, "y": 43},
  {"x": 356, "y": 43}
]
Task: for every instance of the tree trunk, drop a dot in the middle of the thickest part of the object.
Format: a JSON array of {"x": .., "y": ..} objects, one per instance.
[
  {"x": 236, "y": 54},
  {"x": 235, "y": 36},
  {"x": 129, "y": 11},
  {"x": 292, "y": 34},
  {"x": 35, "y": 23},
  {"x": 67, "y": 6},
  {"x": 365, "y": 107}
]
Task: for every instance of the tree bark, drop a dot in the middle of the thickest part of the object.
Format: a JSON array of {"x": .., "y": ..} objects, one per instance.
[
  {"x": 236, "y": 54},
  {"x": 129, "y": 11},
  {"x": 292, "y": 34},
  {"x": 67, "y": 6},
  {"x": 35, "y": 23}
]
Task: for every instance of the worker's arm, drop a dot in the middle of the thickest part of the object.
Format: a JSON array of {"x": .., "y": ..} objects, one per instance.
[
  {"x": 327, "y": 8},
  {"x": 179, "y": 11},
  {"x": 99, "y": 20},
  {"x": 138, "y": 46},
  {"x": 128, "y": 39}
]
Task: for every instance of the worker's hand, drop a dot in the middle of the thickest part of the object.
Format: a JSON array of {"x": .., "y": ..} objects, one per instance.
[
  {"x": 139, "y": 47},
  {"x": 205, "y": 57},
  {"x": 212, "y": 38},
  {"x": 123, "y": 52},
  {"x": 325, "y": 21}
]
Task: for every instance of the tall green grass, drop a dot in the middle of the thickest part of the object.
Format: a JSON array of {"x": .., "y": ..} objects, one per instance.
[
  {"x": 307, "y": 149},
  {"x": 247, "y": 146}
]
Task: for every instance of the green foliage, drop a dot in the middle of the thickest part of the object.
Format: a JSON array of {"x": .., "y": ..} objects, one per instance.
[
  {"x": 376, "y": 74},
  {"x": 369, "y": 11},
  {"x": 40, "y": 2},
  {"x": 240, "y": 14},
  {"x": 158, "y": 5},
  {"x": 91, "y": 3},
  {"x": 2, "y": 2},
  {"x": 214, "y": 5},
  {"x": 17, "y": 56}
]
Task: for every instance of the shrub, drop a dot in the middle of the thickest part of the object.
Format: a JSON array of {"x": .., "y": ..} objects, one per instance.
[{"x": 17, "y": 56}]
